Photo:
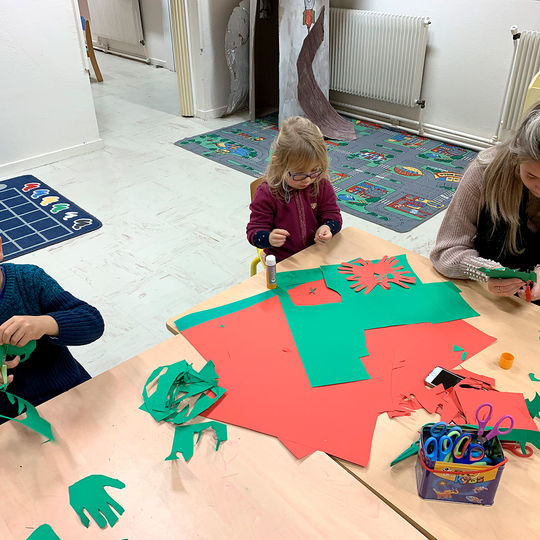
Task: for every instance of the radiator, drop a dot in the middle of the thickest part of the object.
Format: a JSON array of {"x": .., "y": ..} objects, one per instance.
[
  {"x": 377, "y": 55},
  {"x": 525, "y": 66}
]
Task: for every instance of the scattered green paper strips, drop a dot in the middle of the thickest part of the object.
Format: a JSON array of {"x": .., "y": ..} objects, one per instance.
[
  {"x": 183, "y": 438},
  {"x": 533, "y": 406},
  {"x": 44, "y": 532},
  {"x": 89, "y": 495}
]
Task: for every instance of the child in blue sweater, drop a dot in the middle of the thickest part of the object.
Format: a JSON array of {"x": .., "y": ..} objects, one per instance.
[{"x": 33, "y": 306}]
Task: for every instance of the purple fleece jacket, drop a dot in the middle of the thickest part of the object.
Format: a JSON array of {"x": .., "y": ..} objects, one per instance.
[{"x": 301, "y": 216}]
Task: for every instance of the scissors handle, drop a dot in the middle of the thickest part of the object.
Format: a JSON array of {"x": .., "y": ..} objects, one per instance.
[
  {"x": 483, "y": 422},
  {"x": 496, "y": 430}
]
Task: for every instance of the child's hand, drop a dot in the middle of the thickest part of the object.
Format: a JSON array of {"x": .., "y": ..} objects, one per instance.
[
  {"x": 21, "y": 329},
  {"x": 504, "y": 287},
  {"x": 10, "y": 364},
  {"x": 277, "y": 237},
  {"x": 323, "y": 234}
]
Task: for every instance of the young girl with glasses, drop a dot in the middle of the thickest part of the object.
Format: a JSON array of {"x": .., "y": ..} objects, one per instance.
[{"x": 295, "y": 205}]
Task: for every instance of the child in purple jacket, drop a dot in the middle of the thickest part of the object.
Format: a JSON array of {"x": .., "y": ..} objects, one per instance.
[{"x": 295, "y": 206}]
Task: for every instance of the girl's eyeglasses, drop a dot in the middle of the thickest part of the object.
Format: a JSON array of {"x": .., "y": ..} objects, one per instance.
[{"x": 298, "y": 177}]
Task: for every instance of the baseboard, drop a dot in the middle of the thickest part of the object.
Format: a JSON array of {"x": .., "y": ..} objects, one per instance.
[
  {"x": 218, "y": 112},
  {"x": 9, "y": 169}
]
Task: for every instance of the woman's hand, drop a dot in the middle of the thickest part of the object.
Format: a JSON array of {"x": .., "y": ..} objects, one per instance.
[
  {"x": 21, "y": 329},
  {"x": 277, "y": 237},
  {"x": 504, "y": 287},
  {"x": 535, "y": 288},
  {"x": 323, "y": 234}
]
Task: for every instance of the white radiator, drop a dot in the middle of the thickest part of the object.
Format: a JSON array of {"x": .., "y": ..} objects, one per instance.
[
  {"x": 377, "y": 55},
  {"x": 525, "y": 66}
]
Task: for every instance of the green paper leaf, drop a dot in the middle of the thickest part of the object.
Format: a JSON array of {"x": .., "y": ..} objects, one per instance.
[
  {"x": 44, "y": 532},
  {"x": 533, "y": 406},
  {"x": 183, "y": 438},
  {"x": 32, "y": 420},
  {"x": 89, "y": 495}
]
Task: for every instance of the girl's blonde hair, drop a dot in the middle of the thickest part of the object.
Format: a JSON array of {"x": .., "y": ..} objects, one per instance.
[
  {"x": 503, "y": 188},
  {"x": 299, "y": 145}
]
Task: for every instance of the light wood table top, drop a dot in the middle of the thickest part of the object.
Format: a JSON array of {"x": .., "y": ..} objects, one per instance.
[
  {"x": 516, "y": 326},
  {"x": 252, "y": 487}
]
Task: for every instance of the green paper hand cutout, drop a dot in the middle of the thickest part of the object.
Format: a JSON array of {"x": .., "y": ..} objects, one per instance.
[
  {"x": 89, "y": 494},
  {"x": 183, "y": 438},
  {"x": 32, "y": 419},
  {"x": 44, "y": 532}
]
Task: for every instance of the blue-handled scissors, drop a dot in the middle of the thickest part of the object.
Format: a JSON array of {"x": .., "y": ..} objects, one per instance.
[
  {"x": 438, "y": 449},
  {"x": 495, "y": 430},
  {"x": 465, "y": 451}
]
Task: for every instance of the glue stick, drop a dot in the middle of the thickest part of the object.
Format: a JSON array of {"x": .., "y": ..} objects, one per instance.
[{"x": 271, "y": 271}]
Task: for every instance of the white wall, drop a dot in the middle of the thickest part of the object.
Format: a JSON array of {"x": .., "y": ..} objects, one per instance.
[
  {"x": 157, "y": 32},
  {"x": 469, "y": 55},
  {"x": 207, "y": 23},
  {"x": 46, "y": 106}
]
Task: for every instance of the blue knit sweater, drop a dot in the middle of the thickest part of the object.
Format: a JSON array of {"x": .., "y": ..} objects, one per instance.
[{"x": 51, "y": 369}]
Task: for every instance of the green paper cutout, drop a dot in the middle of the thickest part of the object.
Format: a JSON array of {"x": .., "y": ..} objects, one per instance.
[
  {"x": 411, "y": 451},
  {"x": 44, "y": 532},
  {"x": 533, "y": 406},
  {"x": 505, "y": 273},
  {"x": 32, "y": 420},
  {"x": 533, "y": 377},
  {"x": 183, "y": 438},
  {"x": 89, "y": 494},
  {"x": 455, "y": 348}
]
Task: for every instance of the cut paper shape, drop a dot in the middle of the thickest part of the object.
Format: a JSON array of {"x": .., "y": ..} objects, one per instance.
[
  {"x": 533, "y": 406},
  {"x": 370, "y": 274},
  {"x": 183, "y": 438},
  {"x": 176, "y": 384},
  {"x": 533, "y": 378},
  {"x": 32, "y": 420},
  {"x": 44, "y": 532},
  {"x": 503, "y": 403},
  {"x": 88, "y": 494}
]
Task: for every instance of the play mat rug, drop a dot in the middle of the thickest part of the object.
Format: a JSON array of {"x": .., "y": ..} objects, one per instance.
[
  {"x": 34, "y": 216},
  {"x": 389, "y": 177}
]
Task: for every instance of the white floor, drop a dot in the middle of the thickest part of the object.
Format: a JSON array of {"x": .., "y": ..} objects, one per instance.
[{"x": 173, "y": 222}]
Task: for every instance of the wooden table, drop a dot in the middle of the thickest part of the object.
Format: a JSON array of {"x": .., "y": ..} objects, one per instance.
[
  {"x": 252, "y": 487},
  {"x": 515, "y": 324}
]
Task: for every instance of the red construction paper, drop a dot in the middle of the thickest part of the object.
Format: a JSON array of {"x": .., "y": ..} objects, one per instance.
[
  {"x": 268, "y": 390},
  {"x": 511, "y": 403}
]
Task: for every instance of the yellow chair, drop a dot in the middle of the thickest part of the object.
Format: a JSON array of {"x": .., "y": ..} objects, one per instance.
[
  {"x": 252, "y": 189},
  {"x": 533, "y": 93}
]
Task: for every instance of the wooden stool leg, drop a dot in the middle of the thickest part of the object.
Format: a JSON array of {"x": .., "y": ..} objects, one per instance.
[{"x": 90, "y": 51}]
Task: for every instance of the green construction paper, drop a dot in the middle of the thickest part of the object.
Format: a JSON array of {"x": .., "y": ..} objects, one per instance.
[
  {"x": 533, "y": 377},
  {"x": 32, "y": 420},
  {"x": 44, "y": 532},
  {"x": 183, "y": 438},
  {"x": 89, "y": 494},
  {"x": 533, "y": 406},
  {"x": 456, "y": 348},
  {"x": 411, "y": 451},
  {"x": 505, "y": 273}
]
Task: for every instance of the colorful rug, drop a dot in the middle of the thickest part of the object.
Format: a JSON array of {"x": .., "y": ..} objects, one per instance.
[
  {"x": 390, "y": 177},
  {"x": 34, "y": 216}
]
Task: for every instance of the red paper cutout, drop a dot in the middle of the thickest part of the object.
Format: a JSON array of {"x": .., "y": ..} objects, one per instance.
[
  {"x": 268, "y": 390},
  {"x": 369, "y": 274}
]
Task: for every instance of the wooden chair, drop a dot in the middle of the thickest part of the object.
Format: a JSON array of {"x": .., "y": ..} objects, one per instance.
[
  {"x": 252, "y": 189},
  {"x": 90, "y": 48}
]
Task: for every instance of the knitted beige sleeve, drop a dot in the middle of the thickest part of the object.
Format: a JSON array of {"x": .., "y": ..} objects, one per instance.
[{"x": 454, "y": 255}]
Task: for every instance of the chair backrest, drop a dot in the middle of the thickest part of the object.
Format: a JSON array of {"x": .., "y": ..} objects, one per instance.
[{"x": 254, "y": 185}]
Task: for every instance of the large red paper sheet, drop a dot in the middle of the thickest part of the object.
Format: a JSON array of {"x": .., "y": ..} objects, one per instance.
[{"x": 268, "y": 390}]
